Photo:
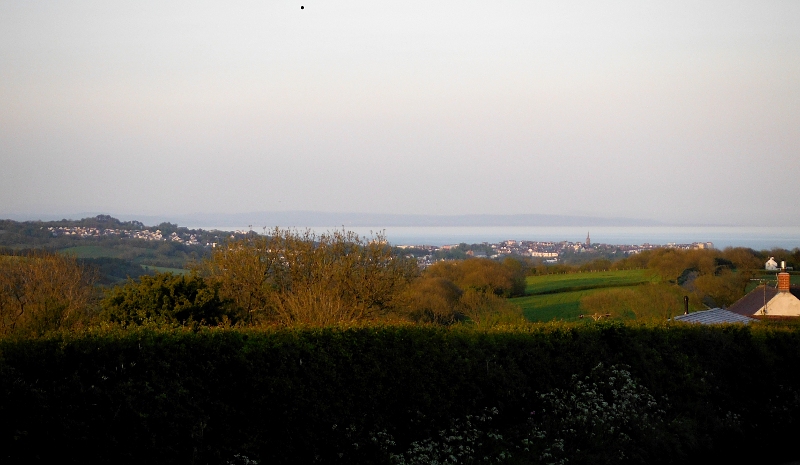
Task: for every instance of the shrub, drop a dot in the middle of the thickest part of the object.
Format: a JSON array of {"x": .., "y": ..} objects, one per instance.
[
  {"x": 605, "y": 417},
  {"x": 165, "y": 299}
]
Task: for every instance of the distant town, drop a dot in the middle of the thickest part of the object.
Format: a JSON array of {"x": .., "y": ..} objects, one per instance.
[
  {"x": 183, "y": 237},
  {"x": 547, "y": 251}
]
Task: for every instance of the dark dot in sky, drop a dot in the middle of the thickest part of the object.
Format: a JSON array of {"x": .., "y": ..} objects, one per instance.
[{"x": 301, "y": 7}]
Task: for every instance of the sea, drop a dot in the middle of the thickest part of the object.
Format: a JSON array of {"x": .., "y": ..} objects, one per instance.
[{"x": 754, "y": 237}]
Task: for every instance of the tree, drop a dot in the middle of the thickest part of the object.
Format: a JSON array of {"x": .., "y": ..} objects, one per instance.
[
  {"x": 743, "y": 258},
  {"x": 42, "y": 291},
  {"x": 433, "y": 299},
  {"x": 484, "y": 275},
  {"x": 288, "y": 277},
  {"x": 722, "y": 289},
  {"x": 165, "y": 298}
]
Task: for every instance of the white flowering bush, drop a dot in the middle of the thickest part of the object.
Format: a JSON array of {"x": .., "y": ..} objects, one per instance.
[
  {"x": 469, "y": 440},
  {"x": 240, "y": 459},
  {"x": 605, "y": 417}
]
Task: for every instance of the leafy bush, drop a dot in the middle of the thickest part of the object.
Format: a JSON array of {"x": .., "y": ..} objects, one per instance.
[{"x": 164, "y": 299}]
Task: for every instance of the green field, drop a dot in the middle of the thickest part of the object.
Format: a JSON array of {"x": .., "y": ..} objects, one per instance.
[
  {"x": 138, "y": 254},
  {"x": 163, "y": 269},
  {"x": 558, "y": 283},
  {"x": 558, "y": 306},
  {"x": 557, "y": 297}
]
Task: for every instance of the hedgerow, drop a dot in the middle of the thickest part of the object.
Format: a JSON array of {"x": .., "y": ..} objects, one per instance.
[{"x": 554, "y": 393}]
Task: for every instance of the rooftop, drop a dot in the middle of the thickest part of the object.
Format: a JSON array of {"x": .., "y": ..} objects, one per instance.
[{"x": 713, "y": 317}]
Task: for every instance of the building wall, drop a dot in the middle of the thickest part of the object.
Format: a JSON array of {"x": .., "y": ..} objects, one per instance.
[{"x": 783, "y": 304}]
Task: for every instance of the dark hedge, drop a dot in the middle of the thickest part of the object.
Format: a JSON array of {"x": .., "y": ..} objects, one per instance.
[{"x": 321, "y": 395}]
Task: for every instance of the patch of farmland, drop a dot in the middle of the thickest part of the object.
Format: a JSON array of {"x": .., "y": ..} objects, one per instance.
[
  {"x": 164, "y": 269},
  {"x": 91, "y": 251},
  {"x": 554, "y": 306},
  {"x": 558, "y": 283}
]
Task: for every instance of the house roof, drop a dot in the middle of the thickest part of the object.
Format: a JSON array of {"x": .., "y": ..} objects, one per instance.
[
  {"x": 754, "y": 300},
  {"x": 713, "y": 317}
]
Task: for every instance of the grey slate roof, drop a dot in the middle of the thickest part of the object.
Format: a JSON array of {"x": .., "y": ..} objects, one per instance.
[
  {"x": 750, "y": 303},
  {"x": 713, "y": 317}
]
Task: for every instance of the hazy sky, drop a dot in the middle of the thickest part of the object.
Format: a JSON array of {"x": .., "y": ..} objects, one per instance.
[{"x": 682, "y": 111}]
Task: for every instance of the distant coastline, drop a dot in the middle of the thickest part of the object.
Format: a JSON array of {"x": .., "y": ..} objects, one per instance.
[
  {"x": 754, "y": 237},
  {"x": 454, "y": 229},
  {"x": 353, "y": 219}
]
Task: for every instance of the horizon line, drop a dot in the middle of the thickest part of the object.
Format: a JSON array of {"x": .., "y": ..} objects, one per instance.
[{"x": 314, "y": 218}]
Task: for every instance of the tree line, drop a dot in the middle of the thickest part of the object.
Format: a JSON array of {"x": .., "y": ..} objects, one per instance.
[
  {"x": 708, "y": 277},
  {"x": 292, "y": 278},
  {"x": 284, "y": 278}
]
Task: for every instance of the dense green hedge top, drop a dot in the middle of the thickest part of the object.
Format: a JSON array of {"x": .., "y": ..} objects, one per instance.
[{"x": 157, "y": 395}]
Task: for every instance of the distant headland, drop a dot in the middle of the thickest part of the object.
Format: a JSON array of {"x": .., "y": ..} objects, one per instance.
[{"x": 351, "y": 219}]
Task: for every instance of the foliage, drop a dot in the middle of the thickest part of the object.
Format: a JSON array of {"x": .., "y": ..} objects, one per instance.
[
  {"x": 664, "y": 394},
  {"x": 606, "y": 417},
  {"x": 710, "y": 278},
  {"x": 484, "y": 275},
  {"x": 41, "y": 292},
  {"x": 22, "y": 237},
  {"x": 431, "y": 299},
  {"x": 164, "y": 299},
  {"x": 722, "y": 289},
  {"x": 291, "y": 278},
  {"x": 466, "y": 440},
  {"x": 469, "y": 290},
  {"x": 111, "y": 271},
  {"x": 653, "y": 302},
  {"x": 486, "y": 310}
]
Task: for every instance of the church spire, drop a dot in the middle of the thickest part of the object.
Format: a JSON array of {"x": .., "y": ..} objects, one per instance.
[{"x": 588, "y": 241}]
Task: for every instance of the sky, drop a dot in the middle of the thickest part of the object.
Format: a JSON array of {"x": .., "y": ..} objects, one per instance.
[{"x": 685, "y": 112}]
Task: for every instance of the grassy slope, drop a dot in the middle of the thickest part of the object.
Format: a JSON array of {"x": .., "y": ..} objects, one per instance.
[
  {"x": 557, "y": 283},
  {"x": 163, "y": 269},
  {"x": 557, "y": 297},
  {"x": 142, "y": 254},
  {"x": 547, "y": 307}
]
